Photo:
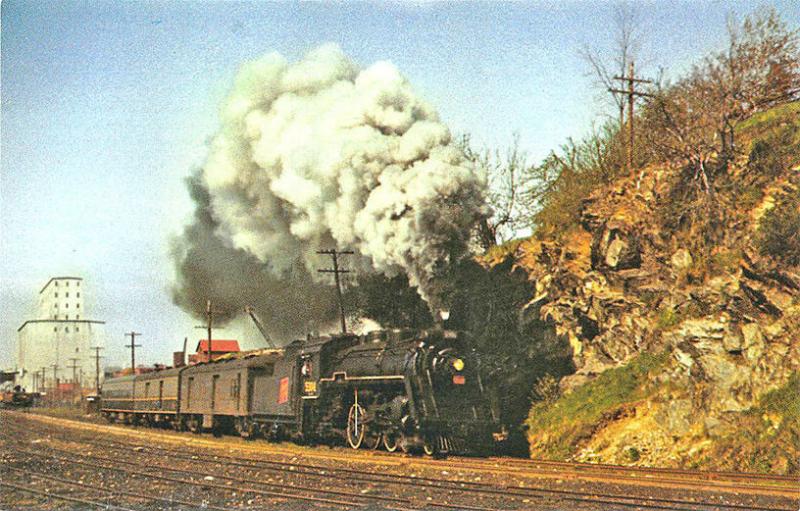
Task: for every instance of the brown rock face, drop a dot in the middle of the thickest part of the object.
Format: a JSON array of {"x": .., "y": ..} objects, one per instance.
[{"x": 642, "y": 274}]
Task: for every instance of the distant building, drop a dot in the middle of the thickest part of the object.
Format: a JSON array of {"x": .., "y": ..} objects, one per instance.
[
  {"x": 219, "y": 347},
  {"x": 61, "y": 335}
]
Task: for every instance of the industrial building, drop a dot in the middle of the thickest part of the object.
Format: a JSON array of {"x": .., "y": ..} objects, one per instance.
[{"x": 56, "y": 345}]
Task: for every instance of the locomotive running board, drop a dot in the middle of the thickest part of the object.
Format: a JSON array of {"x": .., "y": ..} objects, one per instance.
[{"x": 342, "y": 376}]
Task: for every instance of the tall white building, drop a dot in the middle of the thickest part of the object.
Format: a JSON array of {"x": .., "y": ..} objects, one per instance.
[{"x": 60, "y": 336}]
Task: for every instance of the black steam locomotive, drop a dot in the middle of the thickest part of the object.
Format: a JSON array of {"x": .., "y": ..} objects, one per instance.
[{"x": 399, "y": 389}]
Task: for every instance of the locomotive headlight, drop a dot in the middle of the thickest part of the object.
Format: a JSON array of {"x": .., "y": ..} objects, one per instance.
[{"x": 458, "y": 364}]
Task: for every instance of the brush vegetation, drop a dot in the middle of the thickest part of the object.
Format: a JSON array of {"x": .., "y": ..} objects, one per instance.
[{"x": 565, "y": 424}]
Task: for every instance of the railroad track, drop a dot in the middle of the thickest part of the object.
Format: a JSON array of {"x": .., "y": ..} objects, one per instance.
[
  {"x": 575, "y": 497},
  {"x": 707, "y": 475},
  {"x": 342, "y": 499},
  {"x": 114, "y": 493},
  {"x": 25, "y": 487},
  {"x": 763, "y": 483}
]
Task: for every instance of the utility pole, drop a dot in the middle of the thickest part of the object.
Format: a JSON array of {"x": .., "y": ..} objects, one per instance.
[
  {"x": 208, "y": 326},
  {"x": 55, "y": 382},
  {"x": 632, "y": 94},
  {"x": 336, "y": 271},
  {"x": 74, "y": 367},
  {"x": 97, "y": 369},
  {"x": 35, "y": 381},
  {"x": 44, "y": 379},
  {"x": 133, "y": 347}
]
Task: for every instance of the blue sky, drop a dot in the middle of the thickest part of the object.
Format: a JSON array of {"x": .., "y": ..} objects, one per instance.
[{"x": 106, "y": 106}]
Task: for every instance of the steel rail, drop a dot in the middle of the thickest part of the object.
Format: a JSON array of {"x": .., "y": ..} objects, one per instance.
[
  {"x": 522, "y": 467},
  {"x": 576, "y": 496},
  {"x": 120, "y": 492},
  {"x": 706, "y": 474},
  {"x": 56, "y": 496},
  {"x": 203, "y": 483},
  {"x": 459, "y": 485}
]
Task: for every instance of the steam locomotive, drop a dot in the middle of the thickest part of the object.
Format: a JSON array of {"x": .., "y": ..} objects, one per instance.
[{"x": 417, "y": 391}]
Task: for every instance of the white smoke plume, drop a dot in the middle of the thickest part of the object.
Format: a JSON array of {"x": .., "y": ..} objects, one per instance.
[{"x": 321, "y": 154}]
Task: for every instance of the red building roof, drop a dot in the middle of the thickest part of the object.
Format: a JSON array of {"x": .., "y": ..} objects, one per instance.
[{"x": 218, "y": 346}]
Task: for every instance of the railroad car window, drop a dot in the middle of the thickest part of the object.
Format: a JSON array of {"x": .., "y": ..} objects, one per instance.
[
  {"x": 67, "y": 294},
  {"x": 147, "y": 389}
]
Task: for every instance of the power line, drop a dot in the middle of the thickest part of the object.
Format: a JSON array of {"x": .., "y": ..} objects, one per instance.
[{"x": 336, "y": 271}]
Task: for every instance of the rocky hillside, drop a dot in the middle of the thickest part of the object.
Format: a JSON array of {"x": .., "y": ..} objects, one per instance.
[{"x": 681, "y": 305}]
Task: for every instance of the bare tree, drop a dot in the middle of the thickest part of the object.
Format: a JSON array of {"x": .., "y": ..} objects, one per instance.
[
  {"x": 509, "y": 176},
  {"x": 695, "y": 118},
  {"x": 627, "y": 44}
]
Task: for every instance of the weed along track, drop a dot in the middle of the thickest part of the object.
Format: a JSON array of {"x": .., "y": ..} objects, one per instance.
[{"x": 146, "y": 469}]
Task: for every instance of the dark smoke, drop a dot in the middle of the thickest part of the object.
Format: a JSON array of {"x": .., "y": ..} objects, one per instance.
[{"x": 207, "y": 268}]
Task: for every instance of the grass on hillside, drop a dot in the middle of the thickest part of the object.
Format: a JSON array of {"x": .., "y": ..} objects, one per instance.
[
  {"x": 575, "y": 417},
  {"x": 767, "y": 437},
  {"x": 760, "y": 124}
]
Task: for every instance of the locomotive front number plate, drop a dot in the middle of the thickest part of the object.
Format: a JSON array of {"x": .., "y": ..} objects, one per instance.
[
  {"x": 459, "y": 379},
  {"x": 310, "y": 387}
]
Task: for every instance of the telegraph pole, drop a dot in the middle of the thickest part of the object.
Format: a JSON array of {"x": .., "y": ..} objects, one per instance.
[
  {"x": 44, "y": 379},
  {"x": 97, "y": 369},
  {"x": 133, "y": 347},
  {"x": 208, "y": 326},
  {"x": 55, "y": 382},
  {"x": 336, "y": 271},
  {"x": 632, "y": 94},
  {"x": 74, "y": 367}
]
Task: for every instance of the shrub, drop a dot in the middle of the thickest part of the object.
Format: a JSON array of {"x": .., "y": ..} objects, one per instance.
[{"x": 779, "y": 231}]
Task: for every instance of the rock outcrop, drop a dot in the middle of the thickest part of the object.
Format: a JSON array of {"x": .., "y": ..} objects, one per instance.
[{"x": 631, "y": 279}]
